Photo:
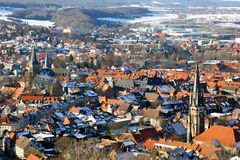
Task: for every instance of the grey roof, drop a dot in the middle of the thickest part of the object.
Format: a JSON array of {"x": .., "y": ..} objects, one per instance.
[
  {"x": 60, "y": 70},
  {"x": 165, "y": 88},
  {"x": 125, "y": 83}
]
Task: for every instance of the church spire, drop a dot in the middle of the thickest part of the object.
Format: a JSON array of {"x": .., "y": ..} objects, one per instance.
[
  {"x": 196, "y": 89},
  {"x": 196, "y": 109},
  {"x": 47, "y": 63},
  {"x": 34, "y": 64},
  {"x": 33, "y": 57}
]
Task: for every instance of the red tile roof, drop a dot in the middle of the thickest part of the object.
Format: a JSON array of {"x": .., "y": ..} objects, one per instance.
[
  {"x": 149, "y": 144},
  {"x": 32, "y": 157},
  {"x": 31, "y": 98},
  {"x": 74, "y": 110},
  {"x": 226, "y": 136}
]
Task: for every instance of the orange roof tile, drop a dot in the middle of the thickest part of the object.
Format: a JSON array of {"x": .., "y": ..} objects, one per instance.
[
  {"x": 66, "y": 121},
  {"x": 152, "y": 73},
  {"x": 149, "y": 144},
  {"x": 31, "y": 98},
  {"x": 102, "y": 99},
  {"x": 32, "y": 157},
  {"x": 226, "y": 136},
  {"x": 74, "y": 110}
]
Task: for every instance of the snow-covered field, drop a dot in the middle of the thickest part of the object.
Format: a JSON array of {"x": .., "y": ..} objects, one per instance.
[
  {"x": 144, "y": 19},
  {"x": 4, "y": 12},
  {"x": 38, "y": 23},
  {"x": 120, "y": 20},
  {"x": 205, "y": 16},
  {"x": 230, "y": 25},
  {"x": 155, "y": 18}
]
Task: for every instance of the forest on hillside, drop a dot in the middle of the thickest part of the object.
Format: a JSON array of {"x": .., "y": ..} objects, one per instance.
[{"x": 77, "y": 17}]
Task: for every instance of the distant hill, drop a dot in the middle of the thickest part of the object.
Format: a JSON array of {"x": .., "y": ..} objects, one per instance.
[{"x": 79, "y": 17}]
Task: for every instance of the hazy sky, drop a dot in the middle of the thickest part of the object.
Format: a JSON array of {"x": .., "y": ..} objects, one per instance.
[{"x": 232, "y": 3}]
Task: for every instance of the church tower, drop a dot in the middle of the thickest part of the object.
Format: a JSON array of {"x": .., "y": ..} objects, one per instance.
[
  {"x": 47, "y": 62},
  {"x": 196, "y": 109},
  {"x": 34, "y": 65}
]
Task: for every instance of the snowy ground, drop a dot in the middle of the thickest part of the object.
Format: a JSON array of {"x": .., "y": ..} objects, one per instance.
[{"x": 4, "y": 12}]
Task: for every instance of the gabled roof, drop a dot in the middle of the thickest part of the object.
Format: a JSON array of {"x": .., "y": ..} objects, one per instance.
[
  {"x": 236, "y": 113},
  {"x": 74, "y": 110},
  {"x": 151, "y": 113},
  {"x": 103, "y": 99},
  {"x": 32, "y": 157},
  {"x": 155, "y": 81},
  {"x": 178, "y": 127},
  {"x": 8, "y": 119},
  {"x": 226, "y": 136},
  {"x": 66, "y": 121},
  {"x": 148, "y": 133},
  {"x": 125, "y": 107},
  {"x": 152, "y": 96},
  {"x": 205, "y": 151},
  {"x": 60, "y": 70},
  {"x": 23, "y": 142},
  {"x": 149, "y": 144},
  {"x": 231, "y": 88},
  {"x": 125, "y": 82},
  {"x": 127, "y": 137}
]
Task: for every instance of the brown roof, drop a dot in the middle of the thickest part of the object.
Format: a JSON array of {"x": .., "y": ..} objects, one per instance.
[
  {"x": 23, "y": 142},
  {"x": 151, "y": 113},
  {"x": 8, "y": 119},
  {"x": 5, "y": 120},
  {"x": 148, "y": 133},
  {"x": 152, "y": 96},
  {"x": 127, "y": 137},
  {"x": 236, "y": 112},
  {"x": 125, "y": 107}
]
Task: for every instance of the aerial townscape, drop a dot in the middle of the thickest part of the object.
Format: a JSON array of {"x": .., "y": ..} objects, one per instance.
[{"x": 120, "y": 80}]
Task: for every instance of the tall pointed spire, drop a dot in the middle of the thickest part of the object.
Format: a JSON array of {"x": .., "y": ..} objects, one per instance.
[
  {"x": 196, "y": 109},
  {"x": 196, "y": 89},
  {"x": 33, "y": 57},
  {"x": 34, "y": 64},
  {"x": 47, "y": 63}
]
